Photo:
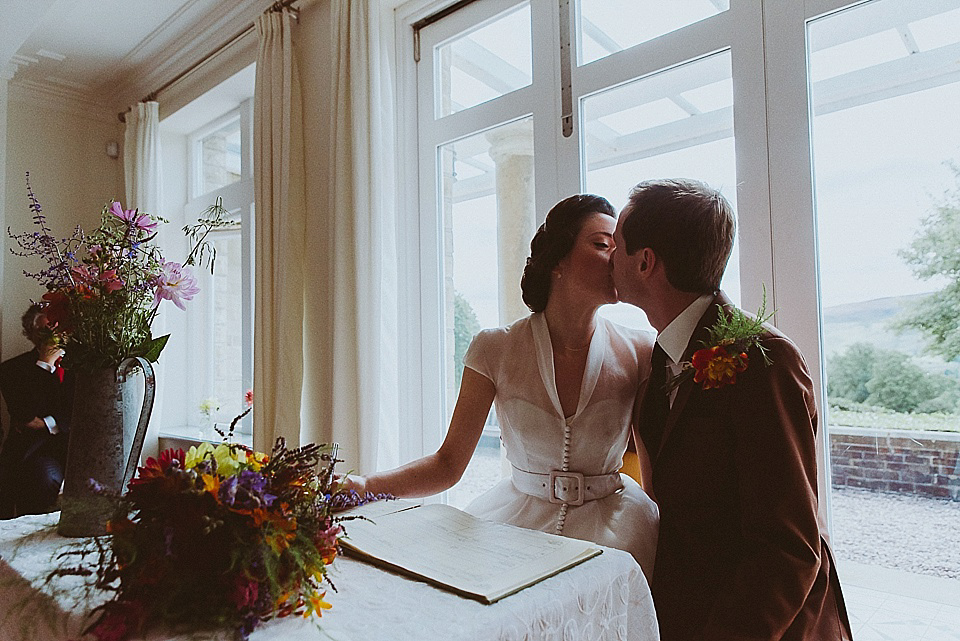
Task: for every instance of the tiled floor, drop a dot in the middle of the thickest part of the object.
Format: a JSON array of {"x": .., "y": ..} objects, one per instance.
[{"x": 890, "y": 605}]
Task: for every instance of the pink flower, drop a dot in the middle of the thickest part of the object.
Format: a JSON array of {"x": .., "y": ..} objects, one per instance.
[
  {"x": 109, "y": 280},
  {"x": 245, "y": 592},
  {"x": 133, "y": 217},
  {"x": 248, "y": 398},
  {"x": 175, "y": 283}
]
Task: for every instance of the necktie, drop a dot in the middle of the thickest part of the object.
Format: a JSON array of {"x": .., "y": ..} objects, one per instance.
[
  {"x": 657, "y": 401},
  {"x": 58, "y": 370}
]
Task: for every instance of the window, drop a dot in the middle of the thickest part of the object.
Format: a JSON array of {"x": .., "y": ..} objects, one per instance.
[
  {"x": 885, "y": 154},
  {"x": 494, "y": 157},
  {"x": 827, "y": 123},
  {"x": 221, "y": 154},
  {"x": 208, "y": 155}
]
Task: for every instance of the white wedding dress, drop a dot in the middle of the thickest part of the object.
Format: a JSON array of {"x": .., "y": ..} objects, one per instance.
[{"x": 519, "y": 360}]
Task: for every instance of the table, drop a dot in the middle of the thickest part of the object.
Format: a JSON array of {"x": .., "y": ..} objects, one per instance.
[{"x": 604, "y": 598}]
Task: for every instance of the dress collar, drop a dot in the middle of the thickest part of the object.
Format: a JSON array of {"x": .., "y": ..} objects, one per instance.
[{"x": 544, "y": 350}]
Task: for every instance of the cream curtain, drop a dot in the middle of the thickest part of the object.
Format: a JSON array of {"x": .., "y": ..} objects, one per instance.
[
  {"x": 141, "y": 175},
  {"x": 280, "y": 230},
  {"x": 355, "y": 383}
]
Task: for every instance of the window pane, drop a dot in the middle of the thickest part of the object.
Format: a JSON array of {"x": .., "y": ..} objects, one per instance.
[
  {"x": 885, "y": 95},
  {"x": 674, "y": 124},
  {"x": 609, "y": 26},
  {"x": 484, "y": 63},
  {"x": 228, "y": 325},
  {"x": 220, "y": 157},
  {"x": 487, "y": 207}
]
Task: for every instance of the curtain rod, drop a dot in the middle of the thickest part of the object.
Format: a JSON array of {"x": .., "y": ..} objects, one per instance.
[
  {"x": 276, "y": 6},
  {"x": 429, "y": 20}
]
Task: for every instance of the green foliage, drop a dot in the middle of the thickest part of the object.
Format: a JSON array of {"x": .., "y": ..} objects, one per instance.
[
  {"x": 848, "y": 373},
  {"x": 935, "y": 252},
  {"x": 465, "y": 327},
  {"x": 888, "y": 379}
]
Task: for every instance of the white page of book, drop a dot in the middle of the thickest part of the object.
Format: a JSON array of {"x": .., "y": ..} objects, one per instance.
[{"x": 447, "y": 545}]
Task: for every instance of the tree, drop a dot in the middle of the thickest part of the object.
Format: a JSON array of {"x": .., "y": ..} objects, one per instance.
[
  {"x": 849, "y": 372},
  {"x": 901, "y": 386},
  {"x": 465, "y": 327},
  {"x": 935, "y": 251}
]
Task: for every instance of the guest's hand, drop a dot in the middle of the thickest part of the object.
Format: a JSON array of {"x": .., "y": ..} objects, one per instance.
[{"x": 36, "y": 423}]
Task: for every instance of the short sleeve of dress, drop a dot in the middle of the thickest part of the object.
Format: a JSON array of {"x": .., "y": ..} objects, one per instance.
[{"x": 479, "y": 354}]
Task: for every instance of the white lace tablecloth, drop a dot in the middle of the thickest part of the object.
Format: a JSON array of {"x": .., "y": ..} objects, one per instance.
[{"x": 604, "y": 598}]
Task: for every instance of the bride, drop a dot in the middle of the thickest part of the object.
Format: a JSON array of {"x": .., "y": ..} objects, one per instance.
[{"x": 564, "y": 381}]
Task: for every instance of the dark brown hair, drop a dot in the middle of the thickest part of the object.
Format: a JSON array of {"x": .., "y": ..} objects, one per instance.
[
  {"x": 553, "y": 241},
  {"x": 688, "y": 225},
  {"x": 29, "y": 321}
]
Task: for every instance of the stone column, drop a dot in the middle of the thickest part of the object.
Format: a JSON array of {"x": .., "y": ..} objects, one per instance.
[{"x": 511, "y": 148}]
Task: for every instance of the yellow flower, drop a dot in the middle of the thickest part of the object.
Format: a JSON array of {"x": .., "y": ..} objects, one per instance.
[
  {"x": 315, "y": 603},
  {"x": 227, "y": 460},
  {"x": 196, "y": 454}
]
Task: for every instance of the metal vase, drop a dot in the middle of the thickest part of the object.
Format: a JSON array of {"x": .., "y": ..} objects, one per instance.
[{"x": 105, "y": 443}]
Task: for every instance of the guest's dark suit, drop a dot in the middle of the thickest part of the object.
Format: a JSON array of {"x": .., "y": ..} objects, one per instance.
[
  {"x": 32, "y": 461},
  {"x": 740, "y": 555}
]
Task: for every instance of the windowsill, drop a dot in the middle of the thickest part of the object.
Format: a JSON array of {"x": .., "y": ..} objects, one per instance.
[{"x": 186, "y": 436}]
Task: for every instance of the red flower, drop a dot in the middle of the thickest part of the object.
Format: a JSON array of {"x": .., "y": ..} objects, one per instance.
[
  {"x": 57, "y": 310},
  {"x": 715, "y": 367}
]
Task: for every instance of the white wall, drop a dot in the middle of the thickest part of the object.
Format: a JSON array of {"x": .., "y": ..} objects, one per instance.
[{"x": 64, "y": 151}]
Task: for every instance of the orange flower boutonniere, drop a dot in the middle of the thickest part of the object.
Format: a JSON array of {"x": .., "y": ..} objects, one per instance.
[{"x": 726, "y": 353}]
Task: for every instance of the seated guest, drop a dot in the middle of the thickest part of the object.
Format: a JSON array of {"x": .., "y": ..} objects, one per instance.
[{"x": 39, "y": 399}]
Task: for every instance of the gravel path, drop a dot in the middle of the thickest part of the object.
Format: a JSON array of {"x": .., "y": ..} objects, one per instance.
[{"x": 904, "y": 532}]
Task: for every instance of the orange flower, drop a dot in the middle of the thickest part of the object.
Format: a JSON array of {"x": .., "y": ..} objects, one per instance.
[{"x": 715, "y": 367}]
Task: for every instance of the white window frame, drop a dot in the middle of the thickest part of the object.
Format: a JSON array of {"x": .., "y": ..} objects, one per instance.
[
  {"x": 775, "y": 196},
  {"x": 238, "y": 199}
]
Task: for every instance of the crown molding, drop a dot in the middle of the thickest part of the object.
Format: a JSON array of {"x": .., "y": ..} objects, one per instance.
[
  {"x": 196, "y": 30},
  {"x": 60, "y": 98}
]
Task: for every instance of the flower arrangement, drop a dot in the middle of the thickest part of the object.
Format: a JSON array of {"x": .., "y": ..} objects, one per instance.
[
  {"x": 219, "y": 536},
  {"x": 104, "y": 288},
  {"x": 208, "y": 406},
  {"x": 726, "y": 352}
]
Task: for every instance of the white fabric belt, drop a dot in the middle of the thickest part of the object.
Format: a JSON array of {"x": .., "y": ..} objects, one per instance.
[{"x": 572, "y": 488}]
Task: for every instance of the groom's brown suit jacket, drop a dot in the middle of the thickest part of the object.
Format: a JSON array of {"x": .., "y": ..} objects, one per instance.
[{"x": 740, "y": 554}]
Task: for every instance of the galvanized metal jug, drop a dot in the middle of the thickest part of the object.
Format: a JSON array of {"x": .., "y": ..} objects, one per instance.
[{"x": 104, "y": 447}]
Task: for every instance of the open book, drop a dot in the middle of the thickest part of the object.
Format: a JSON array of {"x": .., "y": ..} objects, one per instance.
[{"x": 454, "y": 551}]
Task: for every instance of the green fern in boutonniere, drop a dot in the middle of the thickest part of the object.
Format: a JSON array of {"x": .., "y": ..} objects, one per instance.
[{"x": 726, "y": 352}]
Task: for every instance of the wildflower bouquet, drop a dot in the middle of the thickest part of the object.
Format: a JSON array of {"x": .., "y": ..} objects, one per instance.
[
  {"x": 219, "y": 536},
  {"x": 104, "y": 288}
]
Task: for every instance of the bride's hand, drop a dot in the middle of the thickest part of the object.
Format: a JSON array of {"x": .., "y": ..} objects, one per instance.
[{"x": 353, "y": 482}]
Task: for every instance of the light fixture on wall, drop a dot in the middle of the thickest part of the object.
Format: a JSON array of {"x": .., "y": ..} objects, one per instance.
[{"x": 113, "y": 149}]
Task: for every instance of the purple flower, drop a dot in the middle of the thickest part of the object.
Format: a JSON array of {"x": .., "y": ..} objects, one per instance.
[
  {"x": 175, "y": 283},
  {"x": 246, "y": 490},
  {"x": 133, "y": 217}
]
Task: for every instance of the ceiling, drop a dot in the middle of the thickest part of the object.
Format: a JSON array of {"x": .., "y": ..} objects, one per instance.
[{"x": 111, "y": 53}]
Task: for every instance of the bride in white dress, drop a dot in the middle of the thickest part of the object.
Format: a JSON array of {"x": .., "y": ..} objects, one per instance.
[{"x": 564, "y": 382}]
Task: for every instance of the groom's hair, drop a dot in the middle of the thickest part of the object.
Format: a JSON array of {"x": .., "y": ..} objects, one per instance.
[{"x": 688, "y": 225}]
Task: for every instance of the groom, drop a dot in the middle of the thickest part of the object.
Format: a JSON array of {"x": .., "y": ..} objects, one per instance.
[{"x": 733, "y": 458}]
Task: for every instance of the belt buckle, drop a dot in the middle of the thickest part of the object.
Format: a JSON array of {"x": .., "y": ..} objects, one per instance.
[{"x": 567, "y": 482}]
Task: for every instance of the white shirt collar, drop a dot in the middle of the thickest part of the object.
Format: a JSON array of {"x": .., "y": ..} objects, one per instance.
[
  {"x": 47, "y": 366},
  {"x": 676, "y": 336}
]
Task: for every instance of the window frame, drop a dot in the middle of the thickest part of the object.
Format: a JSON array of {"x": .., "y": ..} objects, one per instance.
[{"x": 238, "y": 199}]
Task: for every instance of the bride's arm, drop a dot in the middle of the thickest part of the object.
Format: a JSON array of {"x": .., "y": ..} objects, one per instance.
[{"x": 439, "y": 471}]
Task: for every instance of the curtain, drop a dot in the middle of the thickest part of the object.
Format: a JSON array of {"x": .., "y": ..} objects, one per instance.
[
  {"x": 141, "y": 176},
  {"x": 355, "y": 385},
  {"x": 280, "y": 230}
]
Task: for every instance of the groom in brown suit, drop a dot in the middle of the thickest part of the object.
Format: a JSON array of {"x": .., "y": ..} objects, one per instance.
[{"x": 734, "y": 468}]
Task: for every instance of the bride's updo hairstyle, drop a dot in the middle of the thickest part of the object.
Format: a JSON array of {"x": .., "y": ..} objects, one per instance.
[{"x": 553, "y": 241}]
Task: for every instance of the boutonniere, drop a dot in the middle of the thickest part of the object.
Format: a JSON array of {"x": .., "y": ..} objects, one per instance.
[{"x": 726, "y": 352}]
